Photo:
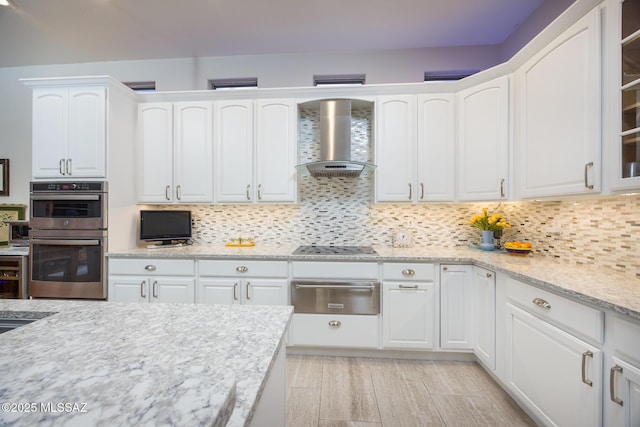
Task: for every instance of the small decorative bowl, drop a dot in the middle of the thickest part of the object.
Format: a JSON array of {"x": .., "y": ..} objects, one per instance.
[{"x": 518, "y": 251}]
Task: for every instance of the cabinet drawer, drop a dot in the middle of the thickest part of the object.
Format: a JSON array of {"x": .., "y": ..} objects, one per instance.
[
  {"x": 152, "y": 267},
  {"x": 335, "y": 270},
  {"x": 577, "y": 317},
  {"x": 402, "y": 271},
  {"x": 242, "y": 268},
  {"x": 330, "y": 330}
]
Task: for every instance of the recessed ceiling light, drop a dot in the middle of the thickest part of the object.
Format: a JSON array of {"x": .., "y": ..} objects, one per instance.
[{"x": 4, "y": 2}]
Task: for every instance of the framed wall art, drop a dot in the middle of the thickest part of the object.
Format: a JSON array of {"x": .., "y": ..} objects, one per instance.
[{"x": 4, "y": 177}]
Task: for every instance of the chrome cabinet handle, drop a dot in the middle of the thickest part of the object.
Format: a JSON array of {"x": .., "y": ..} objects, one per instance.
[
  {"x": 242, "y": 269},
  {"x": 248, "y": 188},
  {"x": 61, "y": 167},
  {"x": 541, "y": 303},
  {"x": 421, "y": 191},
  {"x": 69, "y": 167},
  {"x": 179, "y": 192},
  {"x": 410, "y": 191},
  {"x": 235, "y": 291},
  {"x": 612, "y": 385},
  {"x": 150, "y": 267},
  {"x": 247, "y": 290},
  {"x": 155, "y": 289},
  {"x": 259, "y": 192},
  {"x": 502, "y": 188},
  {"x": 586, "y": 175},
  {"x": 167, "y": 192},
  {"x": 142, "y": 286},
  {"x": 584, "y": 368},
  {"x": 335, "y": 323},
  {"x": 408, "y": 286}
]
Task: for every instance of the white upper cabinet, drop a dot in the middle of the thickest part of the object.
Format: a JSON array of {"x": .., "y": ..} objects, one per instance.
[
  {"x": 255, "y": 151},
  {"x": 558, "y": 123},
  {"x": 69, "y": 132},
  {"x": 234, "y": 125},
  {"x": 175, "y": 152},
  {"x": 276, "y": 142},
  {"x": 396, "y": 149},
  {"x": 436, "y": 148},
  {"x": 483, "y": 141}
]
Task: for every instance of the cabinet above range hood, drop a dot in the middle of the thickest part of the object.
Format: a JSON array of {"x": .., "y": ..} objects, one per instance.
[{"x": 335, "y": 143}]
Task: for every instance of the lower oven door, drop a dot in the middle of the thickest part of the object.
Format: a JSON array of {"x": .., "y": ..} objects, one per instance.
[
  {"x": 355, "y": 297},
  {"x": 67, "y": 268}
]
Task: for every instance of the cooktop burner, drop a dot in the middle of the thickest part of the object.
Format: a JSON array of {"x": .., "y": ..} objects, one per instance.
[{"x": 335, "y": 250}]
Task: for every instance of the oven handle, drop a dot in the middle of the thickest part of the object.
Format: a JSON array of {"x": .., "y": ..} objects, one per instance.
[
  {"x": 369, "y": 287},
  {"x": 65, "y": 197},
  {"x": 61, "y": 242}
]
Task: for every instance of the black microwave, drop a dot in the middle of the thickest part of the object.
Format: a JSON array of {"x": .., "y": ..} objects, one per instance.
[{"x": 18, "y": 232}]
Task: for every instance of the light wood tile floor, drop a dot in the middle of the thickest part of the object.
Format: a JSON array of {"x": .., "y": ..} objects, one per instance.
[{"x": 324, "y": 391}]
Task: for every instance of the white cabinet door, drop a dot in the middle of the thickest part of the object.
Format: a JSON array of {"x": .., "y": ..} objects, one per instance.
[
  {"x": 484, "y": 302},
  {"x": 623, "y": 402},
  {"x": 276, "y": 142},
  {"x": 234, "y": 136},
  {"x": 483, "y": 141},
  {"x": 172, "y": 289},
  {"x": 155, "y": 153},
  {"x": 396, "y": 148},
  {"x": 266, "y": 291},
  {"x": 550, "y": 370},
  {"x": 436, "y": 148},
  {"x": 558, "y": 131},
  {"x": 128, "y": 289},
  {"x": 218, "y": 291},
  {"x": 193, "y": 151},
  {"x": 87, "y": 136},
  {"x": 408, "y": 314},
  {"x": 456, "y": 311},
  {"x": 69, "y": 132}
]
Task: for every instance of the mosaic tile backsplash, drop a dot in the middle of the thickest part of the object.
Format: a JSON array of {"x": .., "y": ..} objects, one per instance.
[{"x": 341, "y": 211}]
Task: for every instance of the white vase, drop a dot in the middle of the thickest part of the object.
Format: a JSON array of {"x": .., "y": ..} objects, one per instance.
[{"x": 487, "y": 241}]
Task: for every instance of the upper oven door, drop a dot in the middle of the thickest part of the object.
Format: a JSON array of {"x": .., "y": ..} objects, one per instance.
[{"x": 63, "y": 211}]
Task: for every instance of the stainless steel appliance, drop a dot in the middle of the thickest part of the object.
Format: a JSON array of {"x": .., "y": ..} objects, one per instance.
[
  {"x": 361, "y": 297},
  {"x": 68, "y": 240},
  {"x": 18, "y": 232}
]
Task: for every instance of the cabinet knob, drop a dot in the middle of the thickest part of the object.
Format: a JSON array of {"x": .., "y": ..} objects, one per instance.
[
  {"x": 242, "y": 269},
  {"x": 445, "y": 268},
  {"x": 335, "y": 323},
  {"x": 489, "y": 275},
  {"x": 408, "y": 272},
  {"x": 541, "y": 303},
  {"x": 150, "y": 267}
]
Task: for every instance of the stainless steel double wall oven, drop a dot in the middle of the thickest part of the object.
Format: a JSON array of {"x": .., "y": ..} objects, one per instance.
[{"x": 68, "y": 240}]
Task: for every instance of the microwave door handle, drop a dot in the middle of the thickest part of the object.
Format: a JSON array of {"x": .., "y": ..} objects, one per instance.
[
  {"x": 64, "y": 242},
  {"x": 65, "y": 197}
]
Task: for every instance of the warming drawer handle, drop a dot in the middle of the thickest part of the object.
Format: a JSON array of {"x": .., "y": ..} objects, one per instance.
[
  {"x": 62, "y": 242},
  {"x": 335, "y": 323},
  {"x": 612, "y": 385},
  {"x": 584, "y": 368},
  {"x": 367, "y": 287},
  {"x": 542, "y": 303}
]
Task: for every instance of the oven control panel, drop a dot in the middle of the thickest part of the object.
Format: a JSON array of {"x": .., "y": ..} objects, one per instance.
[{"x": 93, "y": 186}]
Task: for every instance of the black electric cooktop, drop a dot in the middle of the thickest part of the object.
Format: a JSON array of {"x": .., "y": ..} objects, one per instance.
[{"x": 335, "y": 250}]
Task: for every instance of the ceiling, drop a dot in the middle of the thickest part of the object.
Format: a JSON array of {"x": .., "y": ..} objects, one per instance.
[{"x": 37, "y": 32}]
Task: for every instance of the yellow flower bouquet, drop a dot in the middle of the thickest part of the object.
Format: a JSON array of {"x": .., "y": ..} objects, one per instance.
[{"x": 489, "y": 222}]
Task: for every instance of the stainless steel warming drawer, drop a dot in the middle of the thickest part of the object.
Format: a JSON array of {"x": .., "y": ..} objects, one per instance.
[{"x": 343, "y": 297}]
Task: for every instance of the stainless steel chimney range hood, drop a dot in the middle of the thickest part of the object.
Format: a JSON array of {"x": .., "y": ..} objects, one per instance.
[{"x": 335, "y": 143}]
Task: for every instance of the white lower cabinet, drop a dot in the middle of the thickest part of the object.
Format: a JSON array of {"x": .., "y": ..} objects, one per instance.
[
  {"x": 408, "y": 306},
  {"x": 151, "y": 280},
  {"x": 242, "y": 282},
  {"x": 622, "y": 402},
  {"x": 549, "y": 369},
  {"x": 335, "y": 330},
  {"x": 456, "y": 314},
  {"x": 484, "y": 304}
]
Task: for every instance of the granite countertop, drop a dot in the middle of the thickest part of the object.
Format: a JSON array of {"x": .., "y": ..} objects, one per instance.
[
  {"x": 137, "y": 364},
  {"x": 602, "y": 287}
]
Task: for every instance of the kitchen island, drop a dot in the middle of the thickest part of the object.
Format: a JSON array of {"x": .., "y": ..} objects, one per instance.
[{"x": 104, "y": 363}]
